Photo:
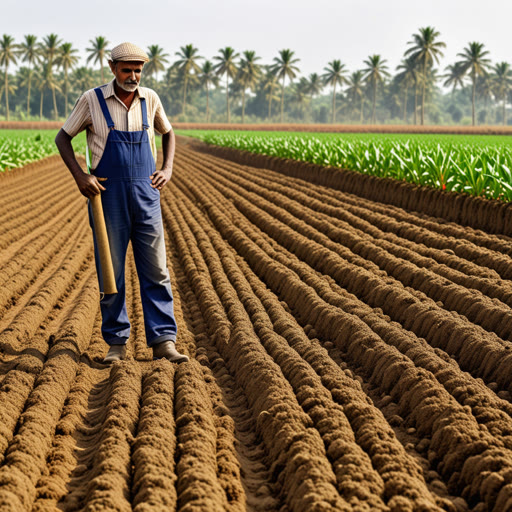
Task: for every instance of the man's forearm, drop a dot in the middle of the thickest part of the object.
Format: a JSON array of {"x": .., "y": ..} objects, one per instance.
[
  {"x": 168, "y": 148},
  {"x": 63, "y": 143},
  {"x": 88, "y": 185}
]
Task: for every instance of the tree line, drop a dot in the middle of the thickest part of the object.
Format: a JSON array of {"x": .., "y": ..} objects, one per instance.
[{"x": 48, "y": 79}]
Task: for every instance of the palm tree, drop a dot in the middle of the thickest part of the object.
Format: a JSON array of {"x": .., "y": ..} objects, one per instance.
[
  {"x": 270, "y": 83},
  {"x": 474, "y": 60},
  {"x": 301, "y": 94},
  {"x": 67, "y": 59},
  {"x": 187, "y": 64},
  {"x": 207, "y": 78},
  {"x": 82, "y": 80},
  {"x": 98, "y": 52},
  {"x": 454, "y": 76},
  {"x": 355, "y": 90},
  {"x": 50, "y": 50},
  {"x": 30, "y": 53},
  {"x": 502, "y": 84},
  {"x": 8, "y": 54},
  {"x": 10, "y": 87},
  {"x": 284, "y": 66},
  {"x": 46, "y": 80},
  {"x": 315, "y": 86},
  {"x": 157, "y": 59},
  {"x": 334, "y": 75},
  {"x": 375, "y": 71},
  {"x": 248, "y": 75},
  {"x": 485, "y": 89},
  {"x": 424, "y": 50},
  {"x": 227, "y": 66},
  {"x": 408, "y": 76}
]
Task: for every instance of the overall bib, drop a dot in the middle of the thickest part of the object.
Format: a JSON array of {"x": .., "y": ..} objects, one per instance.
[{"x": 132, "y": 213}]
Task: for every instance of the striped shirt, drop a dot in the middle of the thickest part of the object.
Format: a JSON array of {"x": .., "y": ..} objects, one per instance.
[{"x": 87, "y": 115}]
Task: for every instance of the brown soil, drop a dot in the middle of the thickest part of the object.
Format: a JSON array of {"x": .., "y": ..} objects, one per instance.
[
  {"x": 346, "y": 354},
  {"x": 296, "y": 127}
]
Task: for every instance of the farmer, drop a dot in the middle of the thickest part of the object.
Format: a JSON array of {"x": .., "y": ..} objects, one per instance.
[{"x": 120, "y": 119}]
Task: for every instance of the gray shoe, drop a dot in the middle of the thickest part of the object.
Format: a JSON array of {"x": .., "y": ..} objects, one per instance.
[
  {"x": 115, "y": 353},
  {"x": 167, "y": 350}
]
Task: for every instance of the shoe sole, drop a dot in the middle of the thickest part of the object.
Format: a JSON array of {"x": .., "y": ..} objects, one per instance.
[
  {"x": 110, "y": 361},
  {"x": 178, "y": 360}
]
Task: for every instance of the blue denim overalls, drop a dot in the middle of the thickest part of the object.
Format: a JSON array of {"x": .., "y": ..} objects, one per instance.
[{"x": 132, "y": 212}]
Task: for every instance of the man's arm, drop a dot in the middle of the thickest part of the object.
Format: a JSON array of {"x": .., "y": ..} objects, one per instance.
[
  {"x": 88, "y": 185},
  {"x": 160, "y": 178}
]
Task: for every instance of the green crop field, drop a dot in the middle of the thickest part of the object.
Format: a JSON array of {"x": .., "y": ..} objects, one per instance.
[
  {"x": 20, "y": 147},
  {"x": 474, "y": 164}
]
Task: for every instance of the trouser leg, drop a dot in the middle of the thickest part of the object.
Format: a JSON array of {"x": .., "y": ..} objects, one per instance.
[
  {"x": 155, "y": 286},
  {"x": 115, "y": 325}
]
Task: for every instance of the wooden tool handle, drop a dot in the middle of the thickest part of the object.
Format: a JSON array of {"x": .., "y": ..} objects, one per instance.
[{"x": 100, "y": 230}]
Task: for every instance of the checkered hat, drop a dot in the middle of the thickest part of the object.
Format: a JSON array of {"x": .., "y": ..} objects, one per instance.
[{"x": 127, "y": 52}]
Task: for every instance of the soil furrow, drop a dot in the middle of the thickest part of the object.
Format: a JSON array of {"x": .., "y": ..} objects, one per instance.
[
  {"x": 154, "y": 447},
  {"x": 361, "y": 341},
  {"x": 25, "y": 458},
  {"x": 27, "y": 271},
  {"x": 268, "y": 404},
  {"x": 16, "y": 335},
  {"x": 231, "y": 403},
  {"x": 364, "y": 279},
  {"x": 328, "y": 418},
  {"x": 346, "y": 354}
]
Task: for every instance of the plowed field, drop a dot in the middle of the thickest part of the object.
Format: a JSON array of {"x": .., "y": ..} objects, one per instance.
[{"x": 345, "y": 354}]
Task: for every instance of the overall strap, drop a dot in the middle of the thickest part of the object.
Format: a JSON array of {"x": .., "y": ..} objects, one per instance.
[
  {"x": 104, "y": 108},
  {"x": 143, "y": 106}
]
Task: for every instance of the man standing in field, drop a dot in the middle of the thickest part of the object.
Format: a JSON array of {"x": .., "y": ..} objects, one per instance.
[{"x": 121, "y": 118}]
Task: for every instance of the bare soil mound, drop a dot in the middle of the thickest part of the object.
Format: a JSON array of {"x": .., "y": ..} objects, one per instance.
[{"x": 346, "y": 354}]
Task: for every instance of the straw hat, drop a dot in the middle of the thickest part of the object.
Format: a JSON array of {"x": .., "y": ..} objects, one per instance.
[{"x": 127, "y": 52}]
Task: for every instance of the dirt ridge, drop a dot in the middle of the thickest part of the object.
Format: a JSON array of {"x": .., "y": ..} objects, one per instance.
[{"x": 346, "y": 354}]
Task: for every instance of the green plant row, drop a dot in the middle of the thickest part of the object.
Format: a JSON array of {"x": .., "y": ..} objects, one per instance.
[
  {"x": 20, "y": 147},
  {"x": 476, "y": 165}
]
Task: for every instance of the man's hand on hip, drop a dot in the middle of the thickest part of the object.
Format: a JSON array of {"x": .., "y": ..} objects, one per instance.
[{"x": 160, "y": 178}]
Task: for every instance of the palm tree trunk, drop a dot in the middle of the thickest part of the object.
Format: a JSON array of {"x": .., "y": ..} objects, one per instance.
[
  {"x": 28, "y": 93},
  {"x": 55, "y": 104},
  {"x": 66, "y": 90},
  {"x": 102, "y": 77},
  {"x": 282, "y": 99},
  {"x": 243, "y": 105},
  {"x": 184, "y": 97},
  {"x": 270, "y": 105},
  {"x": 362, "y": 108},
  {"x": 374, "y": 101},
  {"x": 504, "y": 111},
  {"x": 6, "y": 93},
  {"x": 227, "y": 97},
  {"x": 423, "y": 93},
  {"x": 415, "y": 102},
  {"x": 334, "y": 103},
  {"x": 207, "y": 103},
  {"x": 41, "y": 107},
  {"x": 405, "y": 104},
  {"x": 473, "y": 97}
]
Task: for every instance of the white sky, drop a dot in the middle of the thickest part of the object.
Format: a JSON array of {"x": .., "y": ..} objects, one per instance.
[{"x": 317, "y": 30}]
